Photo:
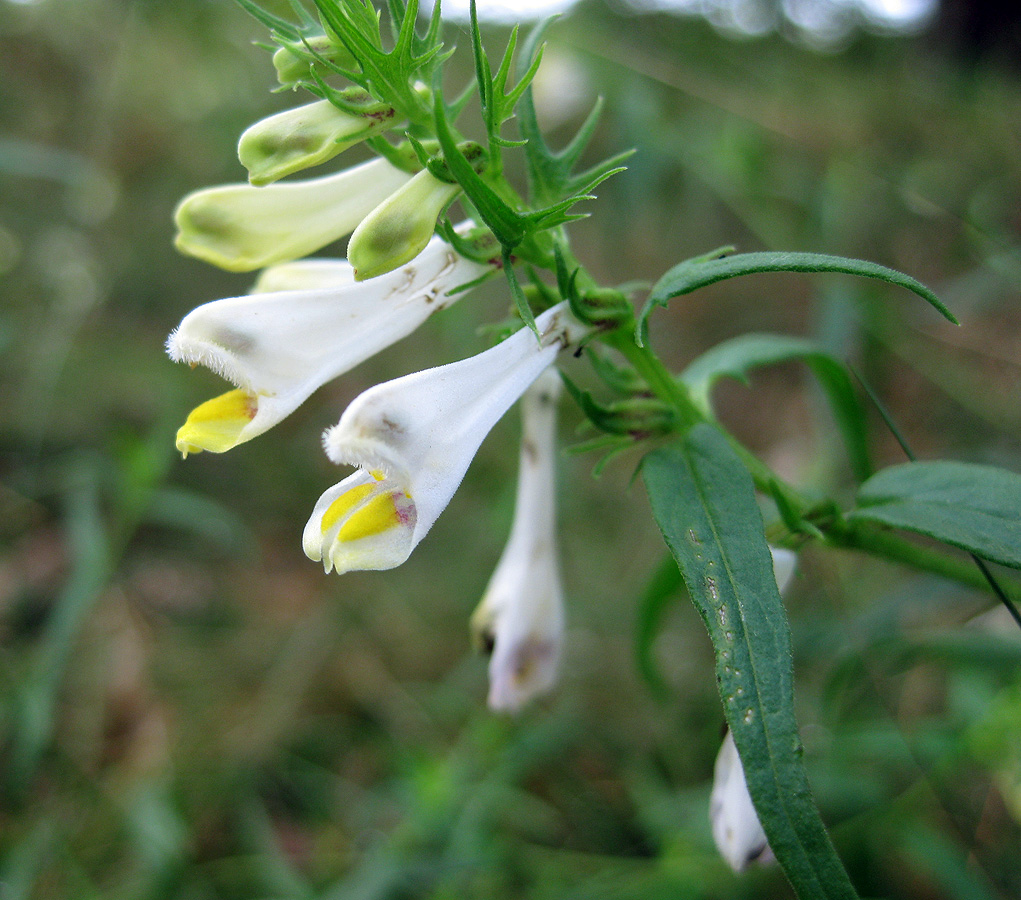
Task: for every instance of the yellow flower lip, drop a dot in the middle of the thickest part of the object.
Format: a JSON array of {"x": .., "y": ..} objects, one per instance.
[
  {"x": 365, "y": 522},
  {"x": 366, "y": 510},
  {"x": 217, "y": 424}
]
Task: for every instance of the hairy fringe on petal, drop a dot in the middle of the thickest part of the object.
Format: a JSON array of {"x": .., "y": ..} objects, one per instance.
[{"x": 212, "y": 356}]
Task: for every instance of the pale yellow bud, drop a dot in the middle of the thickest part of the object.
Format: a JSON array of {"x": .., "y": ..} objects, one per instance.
[
  {"x": 397, "y": 230},
  {"x": 306, "y": 136}
]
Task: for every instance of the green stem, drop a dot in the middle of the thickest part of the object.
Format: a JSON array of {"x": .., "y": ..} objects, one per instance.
[
  {"x": 901, "y": 550},
  {"x": 656, "y": 375}
]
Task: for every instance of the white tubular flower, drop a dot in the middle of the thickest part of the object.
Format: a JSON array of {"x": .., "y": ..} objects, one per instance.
[
  {"x": 279, "y": 347},
  {"x": 736, "y": 828},
  {"x": 239, "y": 227},
  {"x": 308, "y": 135},
  {"x": 413, "y": 439},
  {"x": 520, "y": 620}
]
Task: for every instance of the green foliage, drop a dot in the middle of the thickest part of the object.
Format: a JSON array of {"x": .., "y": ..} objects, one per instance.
[
  {"x": 704, "y": 503},
  {"x": 701, "y": 271},
  {"x": 967, "y": 505},
  {"x": 736, "y": 357},
  {"x": 189, "y": 711}
]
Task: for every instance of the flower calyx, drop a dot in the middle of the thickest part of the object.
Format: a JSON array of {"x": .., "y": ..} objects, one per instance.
[{"x": 638, "y": 417}]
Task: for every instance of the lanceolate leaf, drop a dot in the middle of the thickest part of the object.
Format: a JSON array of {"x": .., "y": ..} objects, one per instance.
[
  {"x": 703, "y": 500},
  {"x": 693, "y": 274},
  {"x": 662, "y": 586},
  {"x": 974, "y": 507},
  {"x": 735, "y": 358}
]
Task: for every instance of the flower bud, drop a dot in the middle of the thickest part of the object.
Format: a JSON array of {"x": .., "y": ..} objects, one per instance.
[
  {"x": 397, "y": 230},
  {"x": 308, "y": 135},
  {"x": 240, "y": 228},
  {"x": 293, "y": 65},
  {"x": 602, "y": 307}
]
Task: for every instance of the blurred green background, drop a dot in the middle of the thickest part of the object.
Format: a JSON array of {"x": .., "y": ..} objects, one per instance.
[{"x": 191, "y": 709}]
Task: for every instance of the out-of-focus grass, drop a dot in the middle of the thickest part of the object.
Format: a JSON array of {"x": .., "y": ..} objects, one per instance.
[{"x": 192, "y": 709}]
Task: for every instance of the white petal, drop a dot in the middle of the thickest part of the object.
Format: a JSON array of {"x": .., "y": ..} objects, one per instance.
[
  {"x": 784, "y": 562},
  {"x": 736, "y": 828},
  {"x": 521, "y": 617},
  {"x": 424, "y": 429},
  {"x": 281, "y": 346},
  {"x": 304, "y": 275}
]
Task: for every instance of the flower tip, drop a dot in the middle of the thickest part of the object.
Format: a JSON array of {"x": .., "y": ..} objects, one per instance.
[
  {"x": 364, "y": 522},
  {"x": 218, "y": 424},
  {"x": 528, "y": 670}
]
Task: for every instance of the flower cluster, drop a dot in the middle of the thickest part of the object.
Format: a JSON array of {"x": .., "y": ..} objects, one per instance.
[
  {"x": 410, "y": 441},
  {"x": 306, "y": 321}
]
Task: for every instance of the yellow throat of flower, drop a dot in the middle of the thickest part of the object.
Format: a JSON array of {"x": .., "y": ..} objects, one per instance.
[
  {"x": 216, "y": 425},
  {"x": 371, "y": 515}
]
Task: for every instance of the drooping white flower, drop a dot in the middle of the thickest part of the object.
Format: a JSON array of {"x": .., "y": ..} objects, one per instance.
[
  {"x": 520, "y": 620},
  {"x": 240, "y": 227},
  {"x": 412, "y": 439},
  {"x": 736, "y": 828},
  {"x": 278, "y": 347}
]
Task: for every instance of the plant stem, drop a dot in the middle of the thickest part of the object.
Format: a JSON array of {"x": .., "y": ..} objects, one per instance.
[{"x": 898, "y": 549}]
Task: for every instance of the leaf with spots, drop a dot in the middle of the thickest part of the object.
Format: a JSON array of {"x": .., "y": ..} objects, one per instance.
[{"x": 703, "y": 500}]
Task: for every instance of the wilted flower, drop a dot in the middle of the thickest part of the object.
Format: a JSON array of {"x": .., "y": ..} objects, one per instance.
[
  {"x": 308, "y": 135},
  {"x": 279, "y": 347},
  {"x": 736, "y": 828},
  {"x": 520, "y": 620},
  {"x": 413, "y": 439},
  {"x": 396, "y": 231},
  {"x": 240, "y": 227}
]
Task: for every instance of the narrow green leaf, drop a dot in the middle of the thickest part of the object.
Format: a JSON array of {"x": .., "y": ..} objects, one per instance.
[
  {"x": 662, "y": 587},
  {"x": 520, "y": 300},
  {"x": 974, "y": 507},
  {"x": 506, "y": 224},
  {"x": 274, "y": 23},
  {"x": 735, "y": 358},
  {"x": 693, "y": 274},
  {"x": 704, "y": 502}
]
